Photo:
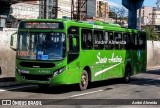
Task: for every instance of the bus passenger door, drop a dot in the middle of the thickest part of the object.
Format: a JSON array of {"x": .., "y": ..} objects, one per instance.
[
  {"x": 73, "y": 55},
  {"x": 73, "y": 48}
]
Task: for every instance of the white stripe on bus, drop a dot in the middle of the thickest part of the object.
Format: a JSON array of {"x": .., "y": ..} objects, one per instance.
[{"x": 104, "y": 70}]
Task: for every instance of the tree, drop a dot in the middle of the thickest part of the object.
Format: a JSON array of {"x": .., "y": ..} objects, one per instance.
[
  {"x": 119, "y": 14},
  {"x": 151, "y": 33},
  {"x": 112, "y": 14}
]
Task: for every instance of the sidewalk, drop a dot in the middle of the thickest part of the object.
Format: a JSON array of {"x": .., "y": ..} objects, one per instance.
[{"x": 153, "y": 68}]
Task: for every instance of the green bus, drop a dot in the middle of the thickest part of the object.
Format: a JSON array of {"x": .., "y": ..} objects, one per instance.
[{"x": 51, "y": 52}]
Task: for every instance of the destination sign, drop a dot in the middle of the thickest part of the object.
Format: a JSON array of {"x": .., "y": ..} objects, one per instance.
[{"x": 42, "y": 25}]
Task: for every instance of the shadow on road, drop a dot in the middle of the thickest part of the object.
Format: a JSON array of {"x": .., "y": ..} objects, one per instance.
[
  {"x": 67, "y": 88},
  {"x": 156, "y": 72},
  {"x": 136, "y": 80}
]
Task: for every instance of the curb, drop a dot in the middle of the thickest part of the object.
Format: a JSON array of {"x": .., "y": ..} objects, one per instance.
[
  {"x": 153, "y": 68},
  {"x": 9, "y": 84},
  {"x": 7, "y": 79}
]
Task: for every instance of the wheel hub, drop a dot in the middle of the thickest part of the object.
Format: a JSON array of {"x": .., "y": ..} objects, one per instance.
[{"x": 84, "y": 80}]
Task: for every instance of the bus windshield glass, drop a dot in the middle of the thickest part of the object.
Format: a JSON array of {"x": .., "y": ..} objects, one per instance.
[{"x": 41, "y": 45}]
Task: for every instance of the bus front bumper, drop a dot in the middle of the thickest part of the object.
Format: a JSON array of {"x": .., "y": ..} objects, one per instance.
[{"x": 42, "y": 79}]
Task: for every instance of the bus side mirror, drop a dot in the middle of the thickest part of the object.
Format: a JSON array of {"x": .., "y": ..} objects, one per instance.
[{"x": 13, "y": 46}]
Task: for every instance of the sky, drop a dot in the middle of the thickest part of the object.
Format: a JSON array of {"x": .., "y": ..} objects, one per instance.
[{"x": 146, "y": 2}]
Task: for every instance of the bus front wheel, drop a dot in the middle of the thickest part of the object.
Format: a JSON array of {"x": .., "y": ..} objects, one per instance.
[{"x": 84, "y": 81}]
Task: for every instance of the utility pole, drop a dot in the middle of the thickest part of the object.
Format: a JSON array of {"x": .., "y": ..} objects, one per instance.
[
  {"x": 54, "y": 11},
  {"x": 72, "y": 10},
  {"x": 48, "y": 9},
  {"x": 79, "y": 11},
  {"x": 42, "y": 9}
]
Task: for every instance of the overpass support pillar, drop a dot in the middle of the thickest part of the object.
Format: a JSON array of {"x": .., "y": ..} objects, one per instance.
[{"x": 132, "y": 6}]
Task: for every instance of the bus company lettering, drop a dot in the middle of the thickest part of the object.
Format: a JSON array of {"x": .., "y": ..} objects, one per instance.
[
  {"x": 113, "y": 59},
  {"x": 101, "y": 60},
  {"x": 100, "y": 42},
  {"x": 97, "y": 26},
  {"x": 110, "y": 42},
  {"x": 117, "y": 42}
]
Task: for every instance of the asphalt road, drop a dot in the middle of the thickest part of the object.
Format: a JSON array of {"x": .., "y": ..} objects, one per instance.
[{"x": 142, "y": 86}]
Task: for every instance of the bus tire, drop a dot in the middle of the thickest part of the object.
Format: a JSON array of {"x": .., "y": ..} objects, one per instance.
[
  {"x": 127, "y": 75},
  {"x": 84, "y": 81}
]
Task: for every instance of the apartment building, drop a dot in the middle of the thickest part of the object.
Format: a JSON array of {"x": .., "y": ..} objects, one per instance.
[
  {"x": 92, "y": 9},
  {"x": 145, "y": 15},
  {"x": 64, "y": 8},
  {"x": 150, "y": 15},
  {"x": 55, "y": 8},
  {"x": 156, "y": 16},
  {"x": 97, "y": 8}
]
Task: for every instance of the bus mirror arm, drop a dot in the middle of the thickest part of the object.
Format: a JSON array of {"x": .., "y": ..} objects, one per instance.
[
  {"x": 15, "y": 49},
  {"x": 11, "y": 41}
]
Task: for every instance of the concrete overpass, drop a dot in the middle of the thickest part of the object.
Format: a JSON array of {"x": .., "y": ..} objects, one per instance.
[{"x": 131, "y": 5}]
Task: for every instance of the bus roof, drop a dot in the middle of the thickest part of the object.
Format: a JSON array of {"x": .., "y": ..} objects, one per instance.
[{"x": 89, "y": 24}]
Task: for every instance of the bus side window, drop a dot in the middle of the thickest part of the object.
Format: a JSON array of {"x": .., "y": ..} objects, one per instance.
[
  {"x": 73, "y": 44},
  {"x": 110, "y": 42},
  {"x": 133, "y": 46},
  {"x": 127, "y": 39},
  {"x": 141, "y": 42},
  {"x": 87, "y": 42},
  {"x": 98, "y": 40},
  {"x": 136, "y": 41},
  {"x": 106, "y": 40},
  {"x": 73, "y": 35},
  {"x": 144, "y": 41},
  {"x": 118, "y": 40}
]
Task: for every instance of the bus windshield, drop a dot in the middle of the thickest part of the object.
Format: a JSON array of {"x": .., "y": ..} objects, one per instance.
[{"x": 41, "y": 45}]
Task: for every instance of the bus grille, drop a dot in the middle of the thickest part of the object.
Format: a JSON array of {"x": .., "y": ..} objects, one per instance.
[
  {"x": 37, "y": 77},
  {"x": 36, "y": 64}
]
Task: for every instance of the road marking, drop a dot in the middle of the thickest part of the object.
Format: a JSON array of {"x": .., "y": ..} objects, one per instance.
[
  {"x": 2, "y": 90},
  {"x": 86, "y": 93}
]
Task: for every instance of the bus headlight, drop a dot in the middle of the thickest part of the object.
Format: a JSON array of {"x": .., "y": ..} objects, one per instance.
[
  {"x": 59, "y": 71},
  {"x": 18, "y": 71}
]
